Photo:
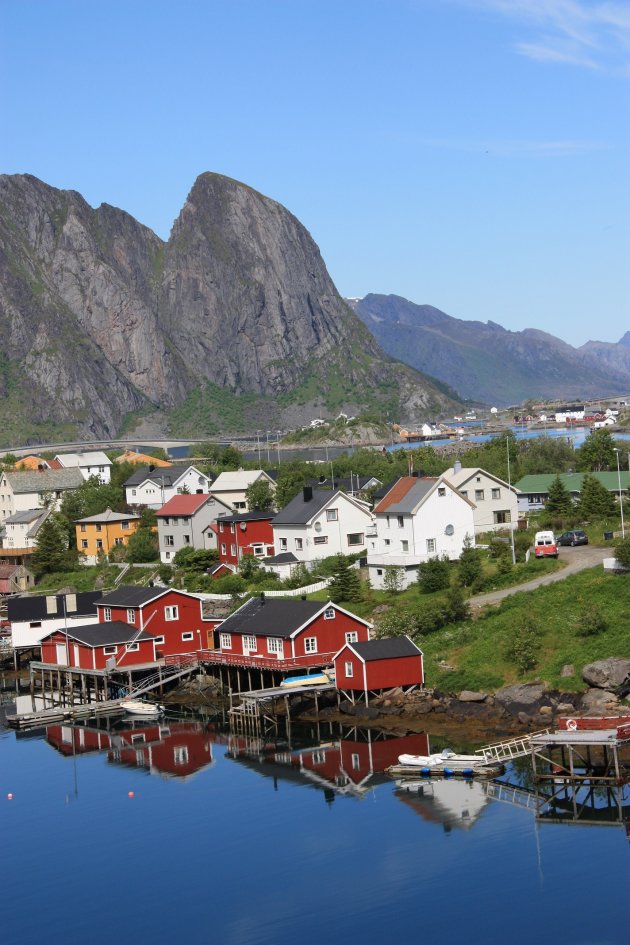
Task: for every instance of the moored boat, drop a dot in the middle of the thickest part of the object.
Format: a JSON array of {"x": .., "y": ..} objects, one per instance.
[
  {"x": 446, "y": 758},
  {"x": 149, "y": 710}
]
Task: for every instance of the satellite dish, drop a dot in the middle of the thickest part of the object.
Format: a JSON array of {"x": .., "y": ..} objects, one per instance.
[
  {"x": 449, "y": 530},
  {"x": 243, "y": 526},
  {"x": 318, "y": 526}
]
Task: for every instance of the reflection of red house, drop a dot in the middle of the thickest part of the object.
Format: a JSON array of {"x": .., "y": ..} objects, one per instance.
[
  {"x": 92, "y": 646},
  {"x": 180, "y": 751},
  {"x": 279, "y": 633},
  {"x": 176, "y": 619},
  {"x": 378, "y": 664},
  {"x": 244, "y": 533},
  {"x": 77, "y": 740}
]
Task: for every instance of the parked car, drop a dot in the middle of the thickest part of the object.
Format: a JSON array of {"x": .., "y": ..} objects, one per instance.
[{"x": 575, "y": 537}]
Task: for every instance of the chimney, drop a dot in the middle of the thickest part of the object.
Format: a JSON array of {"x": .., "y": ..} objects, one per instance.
[
  {"x": 307, "y": 491},
  {"x": 457, "y": 466}
]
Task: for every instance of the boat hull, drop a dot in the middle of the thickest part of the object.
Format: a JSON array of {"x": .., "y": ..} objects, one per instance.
[{"x": 142, "y": 709}]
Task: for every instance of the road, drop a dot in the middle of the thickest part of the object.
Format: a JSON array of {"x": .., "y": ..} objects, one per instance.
[{"x": 577, "y": 559}]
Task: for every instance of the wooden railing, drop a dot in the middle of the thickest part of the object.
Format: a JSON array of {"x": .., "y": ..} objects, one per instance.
[{"x": 222, "y": 658}]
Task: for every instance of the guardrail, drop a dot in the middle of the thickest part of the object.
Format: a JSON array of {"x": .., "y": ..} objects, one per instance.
[{"x": 263, "y": 662}]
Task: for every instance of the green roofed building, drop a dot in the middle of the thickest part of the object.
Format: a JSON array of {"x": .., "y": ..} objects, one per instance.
[{"x": 535, "y": 489}]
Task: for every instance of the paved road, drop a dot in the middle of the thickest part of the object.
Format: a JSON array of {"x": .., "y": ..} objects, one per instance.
[{"x": 576, "y": 559}]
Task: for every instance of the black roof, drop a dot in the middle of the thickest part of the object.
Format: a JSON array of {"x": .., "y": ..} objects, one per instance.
[
  {"x": 130, "y": 596},
  {"x": 388, "y": 648},
  {"x": 254, "y": 516},
  {"x": 34, "y": 606},
  {"x": 284, "y": 557},
  {"x": 167, "y": 475},
  {"x": 275, "y": 617},
  {"x": 299, "y": 511},
  {"x": 106, "y": 634}
]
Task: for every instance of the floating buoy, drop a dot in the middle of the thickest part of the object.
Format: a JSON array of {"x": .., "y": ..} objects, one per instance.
[
  {"x": 130, "y": 794},
  {"x": 448, "y": 772},
  {"x": 425, "y": 772},
  {"x": 468, "y": 773},
  {"x": 9, "y": 797}
]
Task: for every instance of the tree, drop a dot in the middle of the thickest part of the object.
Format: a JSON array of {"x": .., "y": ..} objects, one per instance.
[
  {"x": 142, "y": 546},
  {"x": 469, "y": 563},
  {"x": 523, "y": 646},
  {"x": 289, "y": 484},
  {"x": 622, "y": 552},
  {"x": 434, "y": 575},
  {"x": 393, "y": 579},
  {"x": 597, "y": 452},
  {"x": 595, "y": 499},
  {"x": 346, "y": 583},
  {"x": 559, "y": 499},
  {"x": 51, "y": 554},
  {"x": 259, "y": 495}
]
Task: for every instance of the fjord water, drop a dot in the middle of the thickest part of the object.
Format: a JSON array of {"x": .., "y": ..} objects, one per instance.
[{"x": 189, "y": 836}]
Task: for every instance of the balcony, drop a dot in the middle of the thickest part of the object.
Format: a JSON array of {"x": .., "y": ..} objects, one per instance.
[{"x": 221, "y": 658}]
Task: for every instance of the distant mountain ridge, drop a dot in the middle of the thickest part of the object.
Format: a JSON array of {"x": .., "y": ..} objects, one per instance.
[
  {"x": 485, "y": 362},
  {"x": 233, "y": 323}
]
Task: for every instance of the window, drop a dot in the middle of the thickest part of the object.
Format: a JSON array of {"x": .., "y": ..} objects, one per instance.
[
  {"x": 131, "y": 615},
  {"x": 441, "y": 491},
  {"x": 478, "y": 495},
  {"x": 496, "y": 493},
  {"x": 83, "y": 527},
  {"x": 464, "y": 492},
  {"x": 356, "y": 762},
  {"x": 318, "y": 757},
  {"x": 232, "y": 528},
  {"x": 259, "y": 551},
  {"x": 331, "y": 515},
  {"x": 124, "y": 526},
  {"x": 431, "y": 546},
  {"x": 220, "y": 526},
  {"x": 320, "y": 540},
  {"x": 502, "y": 518},
  {"x": 240, "y": 505},
  {"x": 223, "y": 548},
  {"x": 379, "y": 571},
  {"x": 349, "y": 667},
  {"x": 249, "y": 643},
  {"x": 187, "y": 636},
  {"x": 99, "y": 544},
  {"x": 310, "y": 644},
  {"x": 352, "y": 636},
  {"x": 132, "y": 647},
  {"x": 99, "y": 528},
  {"x": 171, "y": 612},
  {"x": 401, "y": 521},
  {"x": 275, "y": 645},
  {"x": 329, "y": 613},
  {"x": 388, "y": 541},
  {"x": 232, "y": 550},
  {"x": 35, "y": 623},
  {"x": 225, "y": 641},
  {"x": 180, "y": 754},
  {"x": 119, "y": 541},
  {"x": 299, "y": 543},
  {"x": 186, "y": 539},
  {"x": 355, "y": 538},
  {"x": 283, "y": 544},
  {"x": 158, "y": 640},
  {"x": 133, "y": 491},
  {"x": 404, "y": 545},
  {"x": 84, "y": 542},
  {"x": 107, "y": 614},
  {"x": 110, "y": 650}
]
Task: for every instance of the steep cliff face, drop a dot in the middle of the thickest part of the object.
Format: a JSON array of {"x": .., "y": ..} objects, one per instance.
[{"x": 100, "y": 318}]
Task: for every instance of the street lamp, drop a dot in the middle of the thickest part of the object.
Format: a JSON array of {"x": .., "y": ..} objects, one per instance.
[{"x": 623, "y": 531}]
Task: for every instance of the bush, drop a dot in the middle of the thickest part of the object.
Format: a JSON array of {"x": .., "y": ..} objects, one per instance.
[
  {"x": 434, "y": 575},
  {"x": 523, "y": 647},
  {"x": 591, "y": 622},
  {"x": 622, "y": 552}
]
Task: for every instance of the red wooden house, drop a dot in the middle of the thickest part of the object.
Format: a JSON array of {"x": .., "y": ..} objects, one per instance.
[
  {"x": 177, "y": 620},
  {"x": 283, "y": 633},
  {"x": 244, "y": 533},
  {"x": 90, "y": 647},
  {"x": 378, "y": 664}
]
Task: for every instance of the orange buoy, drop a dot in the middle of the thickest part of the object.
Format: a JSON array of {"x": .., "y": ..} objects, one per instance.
[
  {"x": 130, "y": 794},
  {"x": 9, "y": 797}
]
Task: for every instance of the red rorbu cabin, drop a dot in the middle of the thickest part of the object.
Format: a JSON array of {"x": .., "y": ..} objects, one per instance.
[
  {"x": 280, "y": 633},
  {"x": 91, "y": 647},
  {"x": 180, "y": 622},
  {"x": 244, "y": 533},
  {"x": 379, "y": 664}
]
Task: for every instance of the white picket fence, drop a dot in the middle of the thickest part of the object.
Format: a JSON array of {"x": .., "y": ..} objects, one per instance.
[{"x": 296, "y": 592}]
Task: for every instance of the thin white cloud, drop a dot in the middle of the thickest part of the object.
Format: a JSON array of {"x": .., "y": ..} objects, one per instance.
[{"x": 594, "y": 34}]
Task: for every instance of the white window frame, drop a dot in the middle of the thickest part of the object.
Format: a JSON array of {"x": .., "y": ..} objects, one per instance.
[
  {"x": 310, "y": 644},
  {"x": 187, "y": 636},
  {"x": 332, "y": 515},
  {"x": 171, "y": 612},
  {"x": 131, "y": 615},
  {"x": 158, "y": 640},
  {"x": 496, "y": 493},
  {"x": 250, "y": 643},
  {"x": 225, "y": 641},
  {"x": 275, "y": 645},
  {"x": 431, "y": 546},
  {"x": 352, "y": 636},
  {"x": 283, "y": 544},
  {"x": 110, "y": 650},
  {"x": 355, "y": 543},
  {"x": 107, "y": 614},
  {"x": 441, "y": 491},
  {"x": 330, "y": 613},
  {"x": 349, "y": 669},
  {"x": 132, "y": 647},
  {"x": 320, "y": 540}
]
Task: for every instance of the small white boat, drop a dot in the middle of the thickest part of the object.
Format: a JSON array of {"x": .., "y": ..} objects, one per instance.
[
  {"x": 311, "y": 679},
  {"x": 148, "y": 710},
  {"x": 444, "y": 759}
]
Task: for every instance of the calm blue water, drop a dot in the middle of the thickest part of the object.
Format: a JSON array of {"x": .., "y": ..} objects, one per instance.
[{"x": 245, "y": 852}]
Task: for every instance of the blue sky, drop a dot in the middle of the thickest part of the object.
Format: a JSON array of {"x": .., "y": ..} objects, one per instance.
[{"x": 469, "y": 154}]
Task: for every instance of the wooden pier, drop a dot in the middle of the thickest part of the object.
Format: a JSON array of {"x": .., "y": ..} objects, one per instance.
[{"x": 255, "y": 711}]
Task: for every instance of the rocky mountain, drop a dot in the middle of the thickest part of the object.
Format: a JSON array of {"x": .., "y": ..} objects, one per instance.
[
  {"x": 484, "y": 362},
  {"x": 232, "y": 323}
]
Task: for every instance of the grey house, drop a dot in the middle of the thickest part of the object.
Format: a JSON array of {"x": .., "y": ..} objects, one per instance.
[{"x": 183, "y": 523}]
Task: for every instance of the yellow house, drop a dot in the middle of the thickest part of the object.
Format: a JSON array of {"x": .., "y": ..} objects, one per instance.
[
  {"x": 98, "y": 534},
  {"x": 130, "y": 456}
]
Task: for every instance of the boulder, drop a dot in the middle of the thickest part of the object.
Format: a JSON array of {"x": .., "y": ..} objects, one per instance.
[
  {"x": 522, "y": 698},
  {"x": 565, "y": 708},
  {"x": 468, "y": 695},
  {"x": 598, "y": 699},
  {"x": 607, "y": 674}
]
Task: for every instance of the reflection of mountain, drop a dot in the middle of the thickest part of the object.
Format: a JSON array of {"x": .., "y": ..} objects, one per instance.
[
  {"x": 346, "y": 766},
  {"x": 175, "y": 749},
  {"x": 452, "y": 802}
]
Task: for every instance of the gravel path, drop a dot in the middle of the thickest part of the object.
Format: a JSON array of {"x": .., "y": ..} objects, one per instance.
[{"x": 576, "y": 559}]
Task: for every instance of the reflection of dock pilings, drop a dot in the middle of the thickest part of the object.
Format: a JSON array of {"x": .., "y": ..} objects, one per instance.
[
  {"x": 582, "y": 755},
  {"x": 258, "y": 711},
  {"x": 566, "y": 801}
]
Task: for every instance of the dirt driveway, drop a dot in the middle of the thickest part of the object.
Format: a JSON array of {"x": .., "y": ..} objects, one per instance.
[{"x": 575, "y": 559}]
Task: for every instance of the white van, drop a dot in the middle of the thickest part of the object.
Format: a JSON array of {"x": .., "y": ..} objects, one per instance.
[{"x": 545, "y": 545}]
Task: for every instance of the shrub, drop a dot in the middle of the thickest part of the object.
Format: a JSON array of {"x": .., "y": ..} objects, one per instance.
[
  {"x": 434, "y": 575},
  {"x": 622, "y": 552},
  {"x": 523, "y": 646},
  {"x": 591, "y": 621}
]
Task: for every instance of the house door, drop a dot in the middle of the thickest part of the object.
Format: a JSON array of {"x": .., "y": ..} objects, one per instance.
[
  {"x": 210, "y": 645},
  {"x": 62, "y": 656}
]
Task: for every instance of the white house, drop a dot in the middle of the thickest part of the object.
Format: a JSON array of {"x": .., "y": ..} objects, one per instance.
[
  {"x": 93, "y": 463},
  {"x": 34, "y": 616},
  {"x": 318, "y": 523},
  {"x": 154, "y": 486},
  {"x": 37, "y": 489},
  {"x": 419, "y": 518},
  {"x": 496, "y": 502},
  {"x": 230, "y": 487},
  {"x": 20, "y": 530},
  {"x": 572, "y": 412}
]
